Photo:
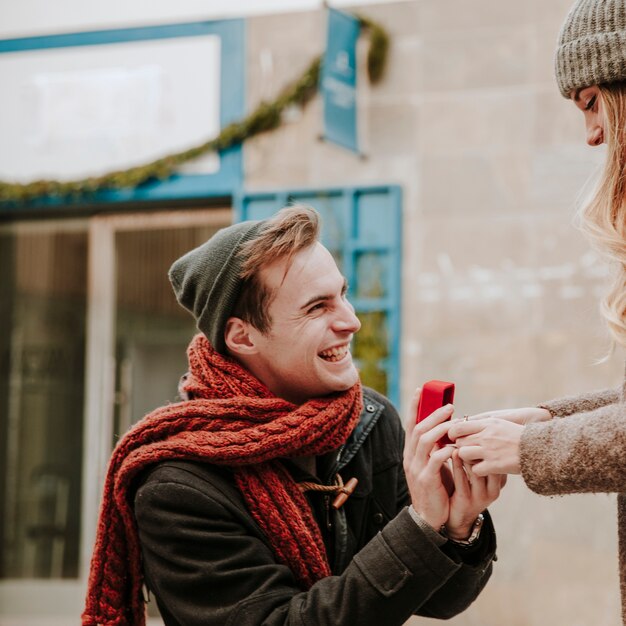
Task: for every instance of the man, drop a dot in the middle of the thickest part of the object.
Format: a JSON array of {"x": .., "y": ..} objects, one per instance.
[{"x": 277, "y": 492}]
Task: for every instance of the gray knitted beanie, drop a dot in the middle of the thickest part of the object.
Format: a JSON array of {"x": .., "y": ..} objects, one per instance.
[
  {"x": 206, "y": 280},
  {"x": 591, "y": 48}
]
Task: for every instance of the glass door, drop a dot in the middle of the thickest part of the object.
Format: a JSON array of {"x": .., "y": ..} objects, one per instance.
[
  {"x": 138, "y": 334},
  {"x": 93, "y": 339},
  {"x": 43, "y": 310}
]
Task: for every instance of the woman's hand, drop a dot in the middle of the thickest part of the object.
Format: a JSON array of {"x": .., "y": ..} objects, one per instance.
[
  {"x": 526, "y": 415},
  {"x": 490, "y": 445}
]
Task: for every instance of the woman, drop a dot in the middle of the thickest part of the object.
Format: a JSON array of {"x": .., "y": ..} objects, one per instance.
[{"x": 586, "y": 451}]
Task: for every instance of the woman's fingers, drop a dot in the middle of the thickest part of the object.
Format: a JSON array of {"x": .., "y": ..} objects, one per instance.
[
  {"x": 480, "y": 416},
  {"x": 471, "y": 454},
  {"x": 464, "y": 428},
  {"x": 523, "y": 415},
  {"x": 482, "y": 469}
]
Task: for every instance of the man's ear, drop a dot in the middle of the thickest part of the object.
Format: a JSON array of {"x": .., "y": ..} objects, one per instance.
[{"x": 238, "y": 337}]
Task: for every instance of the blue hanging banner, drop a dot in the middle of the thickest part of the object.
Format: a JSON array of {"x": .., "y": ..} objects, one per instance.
[{"x": 338, "y": 80}]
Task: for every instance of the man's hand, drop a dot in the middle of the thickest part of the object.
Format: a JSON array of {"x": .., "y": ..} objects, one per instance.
[
  {"x": 424, "y": 461},
  {"x": 441, "y": 495},
  {"x": 472, "y": 495}
]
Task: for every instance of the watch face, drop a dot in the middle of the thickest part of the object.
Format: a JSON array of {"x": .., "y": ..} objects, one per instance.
[{"x": 474, "y": 535}]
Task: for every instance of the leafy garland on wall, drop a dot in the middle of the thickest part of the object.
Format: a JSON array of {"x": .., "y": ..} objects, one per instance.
[{"x": 266, "y": 117}]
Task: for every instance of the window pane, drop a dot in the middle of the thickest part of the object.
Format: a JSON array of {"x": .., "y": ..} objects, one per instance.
[
  {"x": 371, "y": 350},
  {"x": 43, "y": 277},
  {"x": 372, "y": 273},
  {"x": 152, "y": 329}
]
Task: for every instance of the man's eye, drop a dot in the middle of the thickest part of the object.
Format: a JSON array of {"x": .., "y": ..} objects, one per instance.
[{"x": 316, "y": 307}]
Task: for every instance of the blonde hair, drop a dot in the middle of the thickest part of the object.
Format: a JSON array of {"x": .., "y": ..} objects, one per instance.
[
  {"x": 603, "y": 218},
  {"x": 292, "y": 229}
]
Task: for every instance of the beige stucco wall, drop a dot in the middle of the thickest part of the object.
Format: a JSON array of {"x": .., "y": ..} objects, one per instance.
[{"x": 499, "y": 290}]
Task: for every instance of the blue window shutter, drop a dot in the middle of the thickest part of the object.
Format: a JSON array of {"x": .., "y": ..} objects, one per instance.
[{"x": 362, "y": 227}]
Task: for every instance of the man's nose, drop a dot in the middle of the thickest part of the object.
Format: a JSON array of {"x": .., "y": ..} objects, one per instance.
[{"x": 346, "y": 319}]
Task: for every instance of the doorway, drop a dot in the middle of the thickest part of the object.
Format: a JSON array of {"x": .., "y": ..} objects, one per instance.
[{"x": 95, "y": 339}]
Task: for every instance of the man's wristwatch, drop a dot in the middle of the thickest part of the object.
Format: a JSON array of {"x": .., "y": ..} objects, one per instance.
[{"x": 473, "y": 537}]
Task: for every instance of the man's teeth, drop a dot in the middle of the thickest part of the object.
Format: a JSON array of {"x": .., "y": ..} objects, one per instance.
[{"x": 335, "y": 354}]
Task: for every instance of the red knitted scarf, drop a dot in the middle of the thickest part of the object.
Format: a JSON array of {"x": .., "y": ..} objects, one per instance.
[{"x": 232, "y": 420}]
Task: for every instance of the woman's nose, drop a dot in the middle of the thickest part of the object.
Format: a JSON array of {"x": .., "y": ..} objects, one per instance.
[{"x": 595, "y": 134}]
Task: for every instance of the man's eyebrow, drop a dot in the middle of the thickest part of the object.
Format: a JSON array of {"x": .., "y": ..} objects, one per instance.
[
  {"x": 322, "y": 297},
  {"x": 577, "y": 94}
]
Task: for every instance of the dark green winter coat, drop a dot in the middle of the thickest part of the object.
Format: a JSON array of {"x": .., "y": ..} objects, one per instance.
[{"x": 207, "y": 562}]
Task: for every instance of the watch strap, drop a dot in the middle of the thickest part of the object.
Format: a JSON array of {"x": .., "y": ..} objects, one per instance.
[{"x": 473, "y": 536}]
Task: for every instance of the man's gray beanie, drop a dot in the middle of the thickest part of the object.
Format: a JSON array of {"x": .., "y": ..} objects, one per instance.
[
  {"x": 206, "y": 280},
  {"x": 591, "y": 48}
]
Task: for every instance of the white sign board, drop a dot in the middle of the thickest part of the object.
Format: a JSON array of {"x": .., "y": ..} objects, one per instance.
[{"x": 67, "y": 113}]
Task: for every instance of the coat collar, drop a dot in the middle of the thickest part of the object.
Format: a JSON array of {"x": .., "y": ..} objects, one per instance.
[{"x": 372, "y": 410}]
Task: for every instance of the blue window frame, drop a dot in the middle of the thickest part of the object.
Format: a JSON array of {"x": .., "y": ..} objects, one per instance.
[
  {"x": 362, "y": 228},
  {"x": 232, "y": 108}
]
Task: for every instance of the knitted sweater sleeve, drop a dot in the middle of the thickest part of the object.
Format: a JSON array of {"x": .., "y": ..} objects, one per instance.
[
  {"x": 586, "y": 452},
  {"x": 569, "y": 405}
]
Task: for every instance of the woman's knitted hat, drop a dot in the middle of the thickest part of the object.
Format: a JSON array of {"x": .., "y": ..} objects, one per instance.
[
  {"x": 206, "y": 280},
  {"x": 591, "y": 48}
]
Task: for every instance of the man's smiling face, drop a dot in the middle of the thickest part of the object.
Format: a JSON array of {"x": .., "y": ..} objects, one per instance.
[{"x": 306, "y": 352}]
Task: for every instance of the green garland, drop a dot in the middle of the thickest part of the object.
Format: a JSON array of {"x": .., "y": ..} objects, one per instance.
[{"x": 266, "y": 117}]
